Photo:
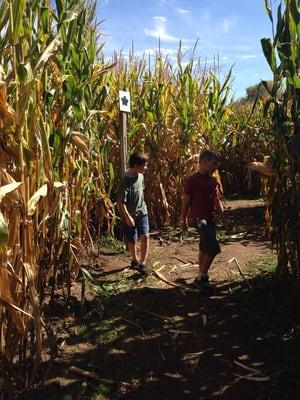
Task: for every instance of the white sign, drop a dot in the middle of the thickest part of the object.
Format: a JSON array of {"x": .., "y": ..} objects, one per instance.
[{"x": 124, "y": 100}]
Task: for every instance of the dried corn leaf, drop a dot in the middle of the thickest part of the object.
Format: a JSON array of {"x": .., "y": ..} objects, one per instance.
[
  {"x": 179, "y": 285},
  {"x": 254, "y": 378},
  {"x": 48, "y": 54},
  {"x": 246, "y": 367},
  {"x": 47, "y": 160},
  {"x": 8, "y": 300},
  {"x": 89, "y": 374},
  {"x": 6, "y": 189},
  {"x": 99, "y": 71},
  {"x": 12, "y": 306},
  {"x": 191, "y": 356},
  {"x": 6, "y": 112},
  {"x": 41, "y": 192},
  {"x": 3, "y": 231},
  {"x": 81, "y": 142},
  {"x": 13, "y": 273},
  {"x": 5, "y": 179},
  {"x": 181, "y": 332},
  {"x": 34, "y": 300}
]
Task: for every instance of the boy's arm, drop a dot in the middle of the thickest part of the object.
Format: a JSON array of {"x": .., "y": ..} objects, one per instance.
[
  {"x": 220, "y": 211},
  {"x": 262, "y": 168},
  {"x": 125, "y": 214},
  {"x": 121, "y": 200},
  {"x": 186, "y": 200}
]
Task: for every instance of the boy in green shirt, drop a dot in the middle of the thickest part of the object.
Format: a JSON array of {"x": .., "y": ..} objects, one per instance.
[{"x": 133, "y": 209}]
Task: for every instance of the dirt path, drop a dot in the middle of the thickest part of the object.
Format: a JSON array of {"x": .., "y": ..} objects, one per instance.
[
  {"x": 145, "y": 339},
  {"x": 247, "y": 244}
]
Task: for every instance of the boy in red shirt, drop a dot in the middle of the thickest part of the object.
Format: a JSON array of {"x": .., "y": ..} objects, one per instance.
[{"x": 201, "y": 200}]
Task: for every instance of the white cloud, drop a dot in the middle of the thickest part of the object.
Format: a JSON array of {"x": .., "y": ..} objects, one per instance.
[
  {"x": 166, "y": 2},
  {"x": 182, "y": 11},
  {"x": 160, "y": 19},
  {"x": 228, "y": 23},
  {"x": 206, "y": 15},
  {"x": 160, "y": 31},
  {"x": 243, "y": 47},
  {"x": 164, "y": 50},
  {"x": 167, "y": 52},
  {"x": 248, "y": 56}
]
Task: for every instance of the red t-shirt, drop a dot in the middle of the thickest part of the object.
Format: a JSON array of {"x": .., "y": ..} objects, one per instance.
[{"x": 204, "y": 191}]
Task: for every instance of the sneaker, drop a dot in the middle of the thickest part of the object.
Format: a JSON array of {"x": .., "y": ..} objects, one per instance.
[
  {"x": 143, "y": 269},
  {"x": 202, "y": 283},
  {"x": 135, "y": 264}
]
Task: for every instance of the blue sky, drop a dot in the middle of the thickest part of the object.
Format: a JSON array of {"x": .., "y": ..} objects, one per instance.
[{"x": 231, "y": 29}]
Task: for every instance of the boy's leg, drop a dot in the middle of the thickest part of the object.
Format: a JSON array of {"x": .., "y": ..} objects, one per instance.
[
  {"x": 208, "y": 249},
  {"x": 200, "y": 260},
  {"x": 143, "y": 232},
  {"x": 131, "y": 238},
  {"x": 144, "y": 248},
  {"x": 206, "y": 263},
  {"x": 132, "y": 250}
]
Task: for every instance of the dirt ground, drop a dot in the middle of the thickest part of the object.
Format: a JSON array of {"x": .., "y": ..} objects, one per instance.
[
  {"x": 247, "y": 243},
  {"x": 158, "y": 338}
]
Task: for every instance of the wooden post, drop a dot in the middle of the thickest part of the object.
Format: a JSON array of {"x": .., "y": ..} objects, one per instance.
[
  {"x": 124, "y": 104},
  {"x": 123, "y": 140}
]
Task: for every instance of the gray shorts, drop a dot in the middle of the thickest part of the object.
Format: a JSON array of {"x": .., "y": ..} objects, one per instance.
[{"x": 208, "y": 239}]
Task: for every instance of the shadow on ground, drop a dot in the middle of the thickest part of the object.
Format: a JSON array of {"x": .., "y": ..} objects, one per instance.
[
  {"x": 167, "y": 344},
  {"x": 248, "y": 219}
]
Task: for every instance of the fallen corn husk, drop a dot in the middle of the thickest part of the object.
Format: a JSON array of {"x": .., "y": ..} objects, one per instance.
[{"x": 178, "y": 285}]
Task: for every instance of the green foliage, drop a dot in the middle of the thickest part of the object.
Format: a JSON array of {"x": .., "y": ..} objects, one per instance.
[
  {"x": 257, "y": 91},
  {"x": 177, "y": 109},
  {"x": 101, "y": 393},
  {"x": 283, "y": 56},
  {"x": 51, "y": 99}
]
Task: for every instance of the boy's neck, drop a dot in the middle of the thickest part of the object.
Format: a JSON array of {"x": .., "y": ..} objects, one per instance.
[
  {"x": 202, "y": 171},
  {"x": 132, "y": 172}
]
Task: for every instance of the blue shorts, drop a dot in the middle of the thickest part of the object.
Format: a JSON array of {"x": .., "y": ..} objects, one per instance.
[{"x": 133, "y": 232}]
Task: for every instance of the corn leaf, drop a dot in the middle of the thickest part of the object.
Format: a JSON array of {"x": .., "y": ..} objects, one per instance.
[{"x": 6, "y": 189}]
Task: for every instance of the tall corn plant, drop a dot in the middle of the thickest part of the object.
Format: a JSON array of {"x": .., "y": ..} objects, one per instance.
[
  {"x": 51, "y": 94},
  {"x": 246, "y": 136},
  {"x": 282, "y": 53},
  {"x": 169, "y": 120},
  {"x": 218, "y": 109}
]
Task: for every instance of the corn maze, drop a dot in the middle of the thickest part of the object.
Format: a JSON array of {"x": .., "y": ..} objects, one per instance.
[{"x": 59, "y": 151}]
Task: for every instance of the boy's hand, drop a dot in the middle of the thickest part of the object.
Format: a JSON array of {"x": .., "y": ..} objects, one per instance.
[{"x": 130, "y": 221}]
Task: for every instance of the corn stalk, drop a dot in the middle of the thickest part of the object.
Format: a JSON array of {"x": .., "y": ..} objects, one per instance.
[
  {"x": 51, "y": 165},
  {"x": 282, "y": 53},
  {"x": 176, "y": 108}
]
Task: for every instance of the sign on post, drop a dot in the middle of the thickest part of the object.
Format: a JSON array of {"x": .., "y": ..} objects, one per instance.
[
  {"x": 124, "y": 99},
  {"x": 124, "y": 102}
]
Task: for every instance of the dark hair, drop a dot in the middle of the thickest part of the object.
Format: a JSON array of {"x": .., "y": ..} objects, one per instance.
[
  {"x": 208, "y": 155},
  {"x": 137, "y": 158}
]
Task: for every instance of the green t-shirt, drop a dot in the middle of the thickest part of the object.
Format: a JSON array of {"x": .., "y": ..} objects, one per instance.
[{"x": 131, "y": 193}]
